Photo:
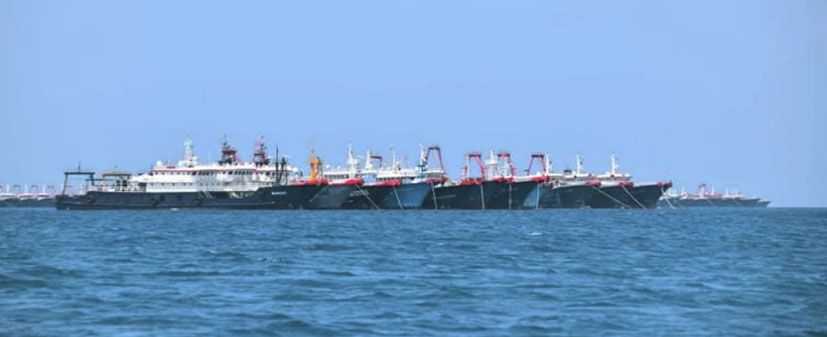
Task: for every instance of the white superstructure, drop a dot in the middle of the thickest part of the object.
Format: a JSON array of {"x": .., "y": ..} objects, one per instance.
[
  {"x": 340, "y": 173},
  {"x": 613, "y": 176},
  {"x": 230, "y": 174},
  {"x": 373, "y": 170}
]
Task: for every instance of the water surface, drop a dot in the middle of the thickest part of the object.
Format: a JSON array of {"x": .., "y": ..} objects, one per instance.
[{"x": 712, "y": 272}]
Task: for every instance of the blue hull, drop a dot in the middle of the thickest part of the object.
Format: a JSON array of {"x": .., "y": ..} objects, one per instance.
[{"x": 407, "y": 196}]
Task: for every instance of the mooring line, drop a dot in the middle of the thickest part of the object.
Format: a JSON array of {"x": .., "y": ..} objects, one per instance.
[
  {"x": 318, "y": 193},
  {"x": 537, "y": 206},
  {"x": 433, "y": 194},
  {"x": 509, "y": 196},
  {"x": 633, "y": 197},
  {"x": 482, "y": 196},
  {"x": 612, "y": 198},
  {"x": 397, "y": 198},
  {"x": 663, "y": 192},
  {"x": 708, "y": 201},
  {"x": 367, "y": 195}
]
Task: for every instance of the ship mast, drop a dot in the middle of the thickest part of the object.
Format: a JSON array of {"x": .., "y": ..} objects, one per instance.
[
  {"x": 394, "y": 162},
  {"x": 614, "y": 166},
  {"x": 578, "y": 170},
  {"x": 493, "y": 166},
  {"x": 229, "y": 155},
  {"x": 352, "y": 162},
  {"x": 369, "y": 163},
  {"x": 190, "y": 159},
  {"x": 260, "y": 157},
  {"x": 188, "y": 149}
]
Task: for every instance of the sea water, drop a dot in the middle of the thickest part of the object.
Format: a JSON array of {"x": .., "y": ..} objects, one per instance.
[{"x": 714, "y": 272}]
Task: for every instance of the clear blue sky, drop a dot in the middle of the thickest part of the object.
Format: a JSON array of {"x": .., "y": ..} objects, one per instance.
[{"x": 732, "y": 93}]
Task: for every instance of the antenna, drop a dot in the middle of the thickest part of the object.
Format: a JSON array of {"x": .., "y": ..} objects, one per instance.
[
  {"x": 579, "y": 168},
  {"x": 277, "y": 171},
  {"x": 352, "y": 161},
  {"x": 394, "y": 161},
  {"x": 187, "y": 148},
  {"x": 369, "y": 162},
  {"x": 614, "y": 166}
]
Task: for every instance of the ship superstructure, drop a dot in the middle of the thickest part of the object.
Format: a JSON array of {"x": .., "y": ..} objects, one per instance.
[
  {"x": 618, "y": 191},
  {"x": 365, "y": 182},
  {"x": 383, "y": 186},
  {"x": 228, "y": 183},
  {"x": 229, "y": 175},
  {"x": 558, "y": 190},
  {"x": 494, "y": 186}
]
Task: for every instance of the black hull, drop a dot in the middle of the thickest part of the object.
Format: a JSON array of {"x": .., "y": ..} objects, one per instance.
[
  {"x": 508, "y": 195},
  {"x": 456, "y": 197},
  {"x": 407, "y": 196},
  {"x": 496, "y": 195},
  {"x": 28, "y": 203},
  {"x": 648, "y": 195},
  {"x": 617, "y": 196},
  {"x": 368, "y": 197},
  {"x": 574, "y": 196},
  {"x": 608, "y": 197},
  {"x": 331, "y": 197},
  {"x": 276, "y": 197}
]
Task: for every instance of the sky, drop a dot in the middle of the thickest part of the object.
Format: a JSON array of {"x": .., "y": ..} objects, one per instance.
[{"x": 728, "y": 93}]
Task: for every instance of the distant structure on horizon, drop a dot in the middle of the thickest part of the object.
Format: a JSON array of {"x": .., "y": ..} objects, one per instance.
[
  {"x": 708, "y": 198},
  {"x": 27, "y": 196}
]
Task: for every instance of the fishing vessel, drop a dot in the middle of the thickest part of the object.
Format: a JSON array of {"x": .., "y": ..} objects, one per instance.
[
  {"x": 558, "y": 190},
  {"x": 501, "y": 169},
  {"x": 618, "y": 191},
  {"x": 332, "y": 194},
  {"x": 496, "y": 187},
  {"x": 708, "y": 198},
  {"x": 421, "y": 190},
  {"x": 388, "y": 187},
  {"x": 362, "y": 195},
  {"x": 228, "y": 183}
]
